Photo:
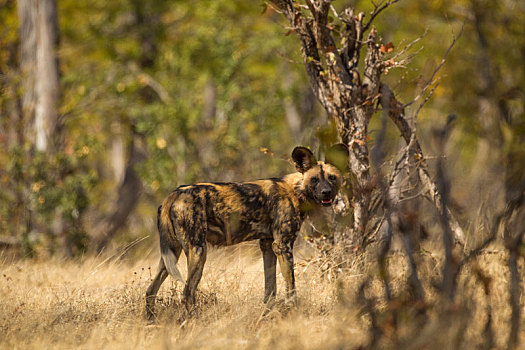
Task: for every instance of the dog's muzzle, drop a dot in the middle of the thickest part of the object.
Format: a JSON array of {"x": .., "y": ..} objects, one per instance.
[{"x": 327, "y": 202}]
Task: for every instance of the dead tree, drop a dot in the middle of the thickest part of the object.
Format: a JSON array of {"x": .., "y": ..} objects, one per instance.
[{"x": 331, "y": 51}]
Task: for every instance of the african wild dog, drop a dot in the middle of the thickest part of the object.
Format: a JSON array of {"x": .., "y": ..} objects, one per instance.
[{"x": 270, "y": 210}]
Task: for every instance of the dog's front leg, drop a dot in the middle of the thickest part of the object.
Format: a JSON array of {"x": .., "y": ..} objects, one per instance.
[
  {"x": 283, "y": 248},
  {"x": 270, "y": 262}
]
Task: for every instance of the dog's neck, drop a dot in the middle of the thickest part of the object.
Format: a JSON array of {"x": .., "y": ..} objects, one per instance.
[
  {"x": 306, "y": 204},
  {"x": 295, "y": 180}
]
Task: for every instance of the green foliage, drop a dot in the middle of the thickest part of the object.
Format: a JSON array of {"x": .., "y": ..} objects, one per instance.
[
  {"x": 40, "y": 185},
  {"x": 464, "y": 80},
  {"x": 138, "y": 72},
  {"x": 226, "y": 44}
]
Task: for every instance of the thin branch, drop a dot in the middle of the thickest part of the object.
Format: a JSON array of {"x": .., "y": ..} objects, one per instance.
[
  {"x": 378, "y": 9},
  {"x": 410, "y": 45},
  {"x": 148, "y": 80},
  {"x": 332, "y": 8},
  {"x": 397, "y": 114},
  {"x": 424, "y": 102},
  {"x": 430, "y": 81}
]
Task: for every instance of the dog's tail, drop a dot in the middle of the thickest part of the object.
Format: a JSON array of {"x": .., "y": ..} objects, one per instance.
[{"x": 169, "y": 246}]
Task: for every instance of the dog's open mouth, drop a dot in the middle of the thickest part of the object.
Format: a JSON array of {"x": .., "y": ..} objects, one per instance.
[{"x": 326, "y": 202}]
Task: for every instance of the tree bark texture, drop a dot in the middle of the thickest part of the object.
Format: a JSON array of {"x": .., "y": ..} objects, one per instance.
[
  {"x": 47, "y": 120},
  {"x": 27, "y": 14},
  {"x": 39, "y": 65}
]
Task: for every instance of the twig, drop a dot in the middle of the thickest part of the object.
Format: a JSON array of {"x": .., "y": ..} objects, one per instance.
[
  {"x": 438, "y": 68},
  {"x": 378, "y": 9},
  {"x": 409, "y": 45},
  {"x": 424, "y": 102}
]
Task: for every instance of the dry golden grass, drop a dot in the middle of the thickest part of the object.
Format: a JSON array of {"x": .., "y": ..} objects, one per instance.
[{"x": 99, "y": 303}]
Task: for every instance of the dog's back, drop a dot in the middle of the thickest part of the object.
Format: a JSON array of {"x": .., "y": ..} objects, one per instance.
[{"x": 226, "y": 213}]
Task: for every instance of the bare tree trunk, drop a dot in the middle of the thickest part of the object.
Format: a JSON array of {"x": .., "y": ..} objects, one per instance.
[
  {"x": 118, "y": 154},
  {"x": 39, "y": 65},
  {"x": 41, "y": 84},
  {"x": 337, "y": 85},
  {"x": 128, "y": 195},
  {"x": 27, "y": 14},
  {"x": 293, "y": 119},
  {"x": 206, "y": 150},
  {"x": 47, "y": 123},
  {"x": 47, "y": 81}
]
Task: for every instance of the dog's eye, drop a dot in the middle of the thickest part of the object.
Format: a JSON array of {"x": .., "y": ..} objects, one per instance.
[
  {"x": 314, "y": 180},
  {"x": 332, "y": 177}
]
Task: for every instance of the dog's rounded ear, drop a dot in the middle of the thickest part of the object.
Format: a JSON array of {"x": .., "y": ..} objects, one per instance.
[
  {"x": 303, "y": 159},
  {"x": 337, "y": 155}
]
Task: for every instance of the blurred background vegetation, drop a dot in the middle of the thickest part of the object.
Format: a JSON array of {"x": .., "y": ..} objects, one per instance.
[{"x": 156, "y": 94}]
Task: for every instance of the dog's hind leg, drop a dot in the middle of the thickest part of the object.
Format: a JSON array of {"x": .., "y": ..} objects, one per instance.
[
  {"x": 167, "y": 266},
  {"x": 196, "y": 259},
  {"x": 270, "y": 263},
  {"x": 153, "y": 288}
]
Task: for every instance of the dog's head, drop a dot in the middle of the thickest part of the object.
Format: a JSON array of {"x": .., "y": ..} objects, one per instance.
[{"x": 321, "y": 180}]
